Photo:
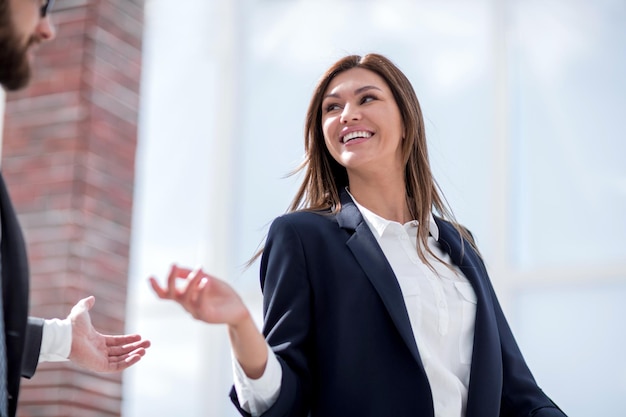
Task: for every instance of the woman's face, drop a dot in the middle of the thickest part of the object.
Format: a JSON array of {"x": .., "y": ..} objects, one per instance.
[{"x": 361, "y": 122}]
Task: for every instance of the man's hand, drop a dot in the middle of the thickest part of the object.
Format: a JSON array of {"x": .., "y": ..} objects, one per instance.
[{"x": 97, "y": 352}]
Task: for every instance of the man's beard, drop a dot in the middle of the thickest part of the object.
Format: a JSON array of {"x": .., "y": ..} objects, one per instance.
[{"x": 15, "y": 70}]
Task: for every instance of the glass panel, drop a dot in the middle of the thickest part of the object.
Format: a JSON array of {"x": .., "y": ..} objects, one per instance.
[
  {"x": 573, "y": 341},
  {"x": 569, "y": 101}
]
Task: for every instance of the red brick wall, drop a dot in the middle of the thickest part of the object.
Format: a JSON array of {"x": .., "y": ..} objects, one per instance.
[{"x": 68, "y": 158}]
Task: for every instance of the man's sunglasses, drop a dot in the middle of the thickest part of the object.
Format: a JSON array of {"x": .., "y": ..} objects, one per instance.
[{"x": 46, "y": 7}]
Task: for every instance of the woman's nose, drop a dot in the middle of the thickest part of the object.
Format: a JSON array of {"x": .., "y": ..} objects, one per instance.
[{"x": 350, "y": 112}]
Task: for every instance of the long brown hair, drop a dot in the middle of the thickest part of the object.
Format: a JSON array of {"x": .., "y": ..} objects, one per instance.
[{"x": 324, "y": 177}]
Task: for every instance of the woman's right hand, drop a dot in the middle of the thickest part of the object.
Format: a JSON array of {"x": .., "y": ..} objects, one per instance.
[
  {"x": 205, "y": 297},
  {"x": 214, "y": 301}
]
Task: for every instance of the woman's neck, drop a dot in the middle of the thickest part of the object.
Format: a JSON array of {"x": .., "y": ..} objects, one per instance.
[{"x": 385, "y": 197}]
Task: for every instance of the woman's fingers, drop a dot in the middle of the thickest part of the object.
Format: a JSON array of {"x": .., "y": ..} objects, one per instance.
[
  {"x": 171, "y": 291},
  {"x": 176, "y": 274},
  {"x": 203, "y": 296},
  {"x": 160, "y": 292},
  {"x": 190, "y": 293}
]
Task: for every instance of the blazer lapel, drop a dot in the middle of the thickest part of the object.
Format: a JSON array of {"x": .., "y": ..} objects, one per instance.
[
  {"x": 375, "y": 265},
  {"x": 485, "y": 386}
]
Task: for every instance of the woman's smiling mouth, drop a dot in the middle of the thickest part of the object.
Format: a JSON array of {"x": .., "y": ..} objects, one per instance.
[{"x": 356, "y": 135}]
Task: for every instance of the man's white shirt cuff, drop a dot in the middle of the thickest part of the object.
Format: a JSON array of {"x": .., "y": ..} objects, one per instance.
[{"x": 56, "y": 340}]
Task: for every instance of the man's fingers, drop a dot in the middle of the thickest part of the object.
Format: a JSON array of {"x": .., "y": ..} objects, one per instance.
[
  {"x": 117, "y": 354},
  {"x": 121, "y": 339},
  {"x": 127, "y": 339},
  {"x": 128, "y": 362},
  {"x": 120, "y": 351},
  {"x": 123, "y": 363}
]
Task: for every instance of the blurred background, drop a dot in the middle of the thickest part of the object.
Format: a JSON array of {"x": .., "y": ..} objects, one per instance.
[
  {"x": 524, "y": 104},
  {"x": 523, "y": 101}
]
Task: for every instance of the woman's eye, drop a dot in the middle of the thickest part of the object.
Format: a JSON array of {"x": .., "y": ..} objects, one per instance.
[
  {"x": 331, "y": 107},
  {"x": 367, "y": 99}
]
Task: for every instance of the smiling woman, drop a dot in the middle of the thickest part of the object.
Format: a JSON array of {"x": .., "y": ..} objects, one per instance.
[
  {"x": 362, "y": 127},
  {"x": 371, "y": 290},
  {"x": 511, "y": 91}
]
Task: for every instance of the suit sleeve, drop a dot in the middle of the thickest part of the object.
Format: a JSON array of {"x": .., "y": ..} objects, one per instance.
[
  {"x": 32, "y": 346},
  {"x": 287, "y": 317},
  {"x": 521, "y": 396}
]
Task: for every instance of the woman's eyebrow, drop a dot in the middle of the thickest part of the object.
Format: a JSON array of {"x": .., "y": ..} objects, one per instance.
[
  {"x": 356, "y": 92},
  {"x": 366, "y": 88}
]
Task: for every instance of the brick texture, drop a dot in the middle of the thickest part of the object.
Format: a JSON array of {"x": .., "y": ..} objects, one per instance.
[{"x": 68, "y": 158}]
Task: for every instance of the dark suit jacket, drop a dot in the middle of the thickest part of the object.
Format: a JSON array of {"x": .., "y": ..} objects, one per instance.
[
  {"x": 336, "y": 318},
  {"x": 22, "y": 334}
]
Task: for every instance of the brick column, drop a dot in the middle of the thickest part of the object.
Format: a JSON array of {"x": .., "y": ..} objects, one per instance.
[{"x": 68, "y": 158}]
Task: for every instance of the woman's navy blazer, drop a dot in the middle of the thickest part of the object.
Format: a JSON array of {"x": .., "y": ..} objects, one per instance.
[{"x": 336, "y": 319}]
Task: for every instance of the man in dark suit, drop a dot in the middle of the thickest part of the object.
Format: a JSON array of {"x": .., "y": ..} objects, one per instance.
[{"x": 25, "y": 341}]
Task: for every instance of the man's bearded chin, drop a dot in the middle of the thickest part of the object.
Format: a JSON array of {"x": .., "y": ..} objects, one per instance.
[{"x": 15, "y": 70}]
